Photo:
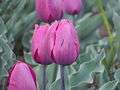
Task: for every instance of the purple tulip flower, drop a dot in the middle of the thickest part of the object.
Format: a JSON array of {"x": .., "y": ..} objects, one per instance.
[
  {"x": 72, "y": 6},
  {"x": 22, "y": 77},
  {"x": 49, "y": 10},
  {"x": 40, "y": 51},
  {"x": 63, "y": 42}
]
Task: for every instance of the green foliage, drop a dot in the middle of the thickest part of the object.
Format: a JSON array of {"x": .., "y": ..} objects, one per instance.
[
  {"x": 87, "y": 68},
  {"x": 56, "y": 84},
  {"x": 7, "y": 57},
  {"x": 109, "y": 86},
  {"x": 98, "y": 65},
  {"x": 88, "y": 24}
]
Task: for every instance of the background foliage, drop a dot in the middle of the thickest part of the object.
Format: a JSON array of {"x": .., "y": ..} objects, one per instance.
[{"x": 98, "y": 66}]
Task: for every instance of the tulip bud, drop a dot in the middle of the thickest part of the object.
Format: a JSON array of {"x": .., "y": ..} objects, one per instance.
[
  {"x": 49, "y": 10},
  {"x": 72, "y": 6},
  {"x": 40, "y": 51},
  {"x": 22, "y": 77},
  {"x": 63, "y": 42}
]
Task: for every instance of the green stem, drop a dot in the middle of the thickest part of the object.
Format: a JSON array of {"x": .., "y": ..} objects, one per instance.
[
  {"x": 44, "y": 80},
  {"x": 55, "y": 73},
  {"x": 107, "y": 25},
  {"x": 4, "y": 84},
  {"x": 110, "y": 76},
  {"x": 62, "y": 77},
  {"x": 105, "y": 19}
]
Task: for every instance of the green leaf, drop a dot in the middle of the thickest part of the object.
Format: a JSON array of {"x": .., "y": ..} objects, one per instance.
[
  {"x": 3, "y": 71},
  {"x": 22, "y": 25},
  {"x": 3, "y": 29},
  {"x": 52, "y": 72},
  {"x": 111, "y": 85},
  {"x": 117, "y": 75},
  {"x": 81, "y": 86},
  {"x": 88, "y": 24},
  {"x": 89, "y": 4},
  {"x": 116, "y": 21},
  {"x": 16, "y": 14},
  {"x": 26, "y": 40},
  {"x": 86, "y": 56},
  {"x": 110, "y": 58},
  {"x": 8, "y": 9},
  {"x": 103, "y": 78},
  {"x": 7, "y": 54},
  {"x": 87, "y": 68},
  {"x": 7, "y": 59},
  {"x": 39, "y": 76},
  {"x": 115, "y": 5},
  {"x": 29, "y": 59},
  {"x": 56, "y": 84}
]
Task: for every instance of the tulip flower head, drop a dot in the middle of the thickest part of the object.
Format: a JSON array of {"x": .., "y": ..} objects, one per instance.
[
  {"x": 64, "y": 43},
  {"x": 72, "y": 6},
  {"x": 40, "y": 51},
  {"x": 49, "y": 10},
  {"x": 22, "y": 77}
]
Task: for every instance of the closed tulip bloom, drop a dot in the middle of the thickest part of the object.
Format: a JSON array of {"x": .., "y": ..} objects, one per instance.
[
  {"x": 49, "y": 10},
  {"x": 72, "y": 6},
  {"x": 64, "y": 42},
  {"x": 22, "y": 77},
  {"x": 39, "y": 46}
]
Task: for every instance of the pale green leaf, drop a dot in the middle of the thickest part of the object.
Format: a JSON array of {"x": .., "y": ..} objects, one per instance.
[{"x": 111, "y": 85}]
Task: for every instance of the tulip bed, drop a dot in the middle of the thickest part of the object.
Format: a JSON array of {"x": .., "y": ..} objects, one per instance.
[{"x": 59, "y": 44}]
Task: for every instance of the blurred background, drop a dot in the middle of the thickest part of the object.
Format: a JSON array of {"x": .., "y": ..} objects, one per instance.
[{"x": 98, "y": 27}]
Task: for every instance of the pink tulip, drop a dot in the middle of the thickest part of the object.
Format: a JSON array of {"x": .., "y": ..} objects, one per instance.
[
  {"x": 49, "y": 10},
  {"x": 63, "y": 42},
  {"x": 72, "y": 6},
  {"x": 40, "y": 51},
  {"x": 22, "y": 77}
]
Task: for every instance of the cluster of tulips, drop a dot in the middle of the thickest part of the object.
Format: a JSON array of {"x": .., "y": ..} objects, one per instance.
[{"x": 55, "y": 41}]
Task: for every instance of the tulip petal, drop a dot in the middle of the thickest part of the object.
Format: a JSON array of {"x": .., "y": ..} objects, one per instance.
[
  {"x": 39, "y": 31},
  {"x": 72, "y": 6},
  {"x": 56, "y": 9},
  {"x": 51, "y": 36},
  {"x": 21, "y": 78},
  {"x": 49, "y": 10},
  {"x": 39, "y": 45},
  {"x": 42, "y": 9}
]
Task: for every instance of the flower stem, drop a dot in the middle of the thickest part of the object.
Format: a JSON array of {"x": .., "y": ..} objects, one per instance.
[
  {"x": 62, "y": 77},
  {"x": 3, "y": 84},
  {"x": 108, "y": 28},
  {"x": 44, "y": 77},
  {"x": 105, "y": 19},
  {"x": 55, "y": 73}
]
